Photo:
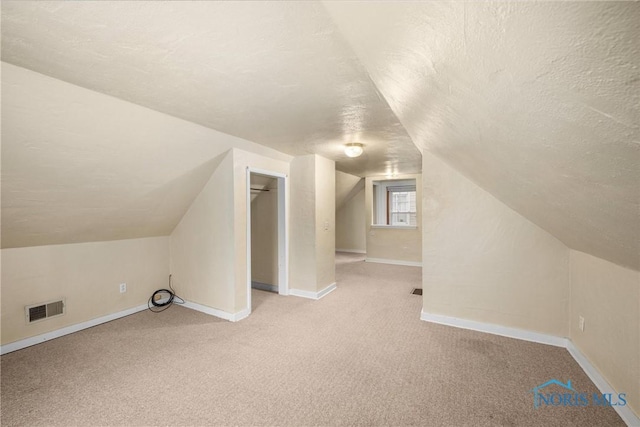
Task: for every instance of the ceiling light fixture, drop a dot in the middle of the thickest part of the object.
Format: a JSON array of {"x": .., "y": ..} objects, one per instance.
[{"x": 353, "y": 149}]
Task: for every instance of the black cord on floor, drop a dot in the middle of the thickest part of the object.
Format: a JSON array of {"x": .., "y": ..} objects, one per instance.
[{"x": 168, "y": 295}]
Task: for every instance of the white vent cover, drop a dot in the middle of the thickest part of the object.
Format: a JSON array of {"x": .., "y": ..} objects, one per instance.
[{"x": 38, "y": 312}]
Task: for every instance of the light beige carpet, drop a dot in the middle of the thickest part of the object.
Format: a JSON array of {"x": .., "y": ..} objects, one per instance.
[{"x": 359, "y": 356}]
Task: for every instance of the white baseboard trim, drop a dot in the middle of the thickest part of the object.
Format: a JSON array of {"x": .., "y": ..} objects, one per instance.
[
  {"x": 394, "y": 262},
  {"x": 490, "y": 328},
  {"x": 352, "y": 251},
  {"x": 311, "y": 294},
  {"x": 332, "y": 287},
  {"x": 625, "y": 412},
  {"x": 264, "y": 286},
  {"x": 28, "y": 342},
  {"x": 243, "y": 314},
  {"x": 232, "y": 317}
]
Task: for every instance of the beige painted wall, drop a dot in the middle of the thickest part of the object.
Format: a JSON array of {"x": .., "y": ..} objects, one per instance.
[
  {"x": 325, "y": 201},
  {"x": 347, "y": 186},
  {"x": 483, "y": 261},
  {"x": 202, "y": 257},
  {"x": 208, "y": 247},
  {"x": 264, "y": 237},
  {"x": 86, "y": 274},
  {"x": 608, "y": 297},
  {"x": 392, "y": 243},
  {"x": 312, "y": 252},
  {"x": 302, "y": 254},
  {"x": 350, "y": 225},
  {"x": 185, "y": 156},
  {"x": 81, "y": 166}
]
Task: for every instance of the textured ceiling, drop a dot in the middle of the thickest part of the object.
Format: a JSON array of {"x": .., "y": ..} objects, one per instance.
[
  {"x": 538, "y": 103},
  {"x": 276, "y": 73},
  {"x": 78, "y": 166}
]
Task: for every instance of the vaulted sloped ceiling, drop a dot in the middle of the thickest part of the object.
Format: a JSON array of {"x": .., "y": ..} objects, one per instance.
[
  {"x": 78, "y": 166},
  {"x": 275, "y": 73},
  {"x": 347, "y": 186},
  {"x": 536, "y": 102}
]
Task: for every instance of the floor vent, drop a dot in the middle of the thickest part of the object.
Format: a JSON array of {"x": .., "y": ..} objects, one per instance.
[
  {"x": 44, "y": 311},
  {"x": 417, "y": 291}
]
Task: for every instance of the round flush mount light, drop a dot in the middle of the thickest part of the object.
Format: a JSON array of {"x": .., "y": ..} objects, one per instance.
[{"x": 353, "y": 149}]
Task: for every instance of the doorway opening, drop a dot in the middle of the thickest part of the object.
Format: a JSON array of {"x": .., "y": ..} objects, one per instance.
[{"x": 267, "y": 266}]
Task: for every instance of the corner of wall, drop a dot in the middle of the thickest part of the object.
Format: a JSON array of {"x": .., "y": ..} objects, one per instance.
[
  {"x": 607, "y": 296},
  {"x": 484, "y": 262},
  {"x": 325, "y": 201},
  {"x": 202, "y": 242},
  {"x": 312, "y": 254},
  {"x": 302, "y": 253},
  {"x": 350, "y": 224}
]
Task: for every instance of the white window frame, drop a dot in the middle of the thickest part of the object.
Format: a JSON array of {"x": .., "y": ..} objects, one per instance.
[{"x": 380, "y": 188}]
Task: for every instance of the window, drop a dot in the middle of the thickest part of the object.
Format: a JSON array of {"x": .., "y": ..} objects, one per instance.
[
  {"x": 394, "y": 203},
  {"x": 402, "y": 206}
]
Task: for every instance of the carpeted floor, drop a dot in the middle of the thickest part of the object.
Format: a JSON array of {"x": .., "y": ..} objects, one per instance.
[{"x": 359, "y": 356}]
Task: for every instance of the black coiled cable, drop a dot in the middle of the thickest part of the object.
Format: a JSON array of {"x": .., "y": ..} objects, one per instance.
[{"x": 170, "y": 298}]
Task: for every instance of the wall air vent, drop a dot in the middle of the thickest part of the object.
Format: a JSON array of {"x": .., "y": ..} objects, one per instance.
[{"x": 44, "y": 311}]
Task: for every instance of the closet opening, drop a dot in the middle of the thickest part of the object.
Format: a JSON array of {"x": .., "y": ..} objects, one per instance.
[{"x": 266, "y": 233}]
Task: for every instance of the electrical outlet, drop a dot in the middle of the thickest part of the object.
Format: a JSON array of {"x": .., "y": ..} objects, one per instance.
[
  {"x": 581, "y": 323},
  {"x": 123, "y": 288}
]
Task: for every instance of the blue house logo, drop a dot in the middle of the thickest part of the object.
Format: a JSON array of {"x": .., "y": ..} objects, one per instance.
[
  {"x": 538, "y": 396},
  {"x": 570, "y": 397}
]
